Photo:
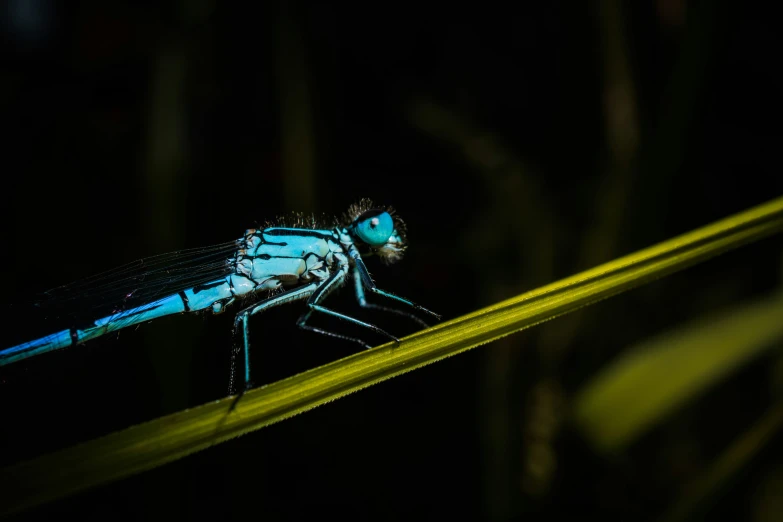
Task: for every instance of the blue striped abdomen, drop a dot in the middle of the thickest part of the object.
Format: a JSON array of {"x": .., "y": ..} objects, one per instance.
[{"x": 269, "y": 259}]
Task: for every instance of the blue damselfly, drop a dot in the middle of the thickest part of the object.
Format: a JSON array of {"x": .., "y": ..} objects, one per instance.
[{"x": 291, "y": 259}]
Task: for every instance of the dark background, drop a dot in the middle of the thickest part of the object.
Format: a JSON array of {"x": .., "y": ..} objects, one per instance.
[{"x": 520, "y": 144}]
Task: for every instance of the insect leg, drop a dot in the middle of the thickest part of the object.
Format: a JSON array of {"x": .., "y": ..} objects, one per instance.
[
  {"x": 359, "y": 289},
  {"x": 370, "y": 285},
  {"x": 242, "y": 319},
  {"x": 333, "y": 282}
]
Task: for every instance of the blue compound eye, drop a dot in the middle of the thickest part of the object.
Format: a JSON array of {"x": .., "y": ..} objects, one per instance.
[{"x": 374, "y": 228}]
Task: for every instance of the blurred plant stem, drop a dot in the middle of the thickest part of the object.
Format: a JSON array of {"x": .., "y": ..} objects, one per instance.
[
  {"x": 518, "y": 202},
  {"x": 166, "y": 156},
  {"x": 296, "y": 119},
  {"x": 707, "y": 489},
  {"x": 600, "y": 239},
  {"x": 164, "y": 173}
]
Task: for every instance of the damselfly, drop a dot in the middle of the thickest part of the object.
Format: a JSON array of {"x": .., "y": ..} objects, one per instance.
[{"x": 290, "y": 260}]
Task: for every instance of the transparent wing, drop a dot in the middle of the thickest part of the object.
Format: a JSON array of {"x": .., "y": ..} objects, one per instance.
[{"x": 138, "y": 282}]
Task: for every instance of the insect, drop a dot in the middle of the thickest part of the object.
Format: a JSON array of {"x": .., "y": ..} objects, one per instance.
[{"x": 301, "y": 261}]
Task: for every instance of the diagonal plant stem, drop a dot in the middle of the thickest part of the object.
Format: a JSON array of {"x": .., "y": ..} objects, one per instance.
[
  {"x": 702, "y": 494},
  {"x": 172, "y": 437}
]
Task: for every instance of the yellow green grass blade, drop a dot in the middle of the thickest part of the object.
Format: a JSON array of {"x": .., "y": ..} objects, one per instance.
[
  {"x": 660, "y": 375},
  {"x": 172, "y": 437}
]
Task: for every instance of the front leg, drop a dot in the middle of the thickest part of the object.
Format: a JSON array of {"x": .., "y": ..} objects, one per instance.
[
  {"x": 359, "y": 290},
  {"x": 370, "y": 285}
]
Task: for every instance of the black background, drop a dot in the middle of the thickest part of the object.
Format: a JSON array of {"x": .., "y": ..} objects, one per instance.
[{"x": 500, "y": 133}]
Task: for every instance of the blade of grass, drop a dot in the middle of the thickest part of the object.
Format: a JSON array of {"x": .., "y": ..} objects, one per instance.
[
  {"x": 172, "y": 437},
  {"x": 660, "y": 375}
]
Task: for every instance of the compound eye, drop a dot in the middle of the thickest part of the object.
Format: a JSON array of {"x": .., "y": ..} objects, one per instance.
[{"x": 374, "y": 227}]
